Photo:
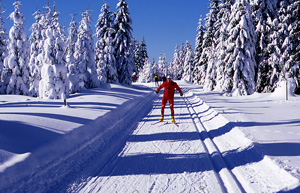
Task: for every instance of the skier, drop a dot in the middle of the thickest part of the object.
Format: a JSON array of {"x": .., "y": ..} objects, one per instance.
[
  {"x": 156, "y": 80},
  {"x": 169, "y": 86}
]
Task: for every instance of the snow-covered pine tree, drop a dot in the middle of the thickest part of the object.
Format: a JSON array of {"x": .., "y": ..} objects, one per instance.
[
  {"x": 264, "y": 12},
  {"x": 16, "y": 69},
  {"x": 143, "y": 53},
  {"x": 105, "y": 53},
  {"x": 162, "y": 65},
  {"x": 198, "y": 50},
  {"x": 175, "y": 63},
  {"x": 292, "y": 66},
  {"x": 182, "y": 53},
  {"x": 54, "y": 82},
  {"x": 224, "y": 17},
  {"x": 208, "y": 41},
  {"x": 35, "y": 49},
  {"x": 188, "y": 63},
  {"x": 211, "y": 70},
  {"x": 279, "y": 44},
  {"x": 84, "y": 53},
  {"x": 240, "y": 59},
  {"x": 155, "y": 69},
  {"x": 73, "y": 71},
  {"x": 3, "y": 50},
  {"x": 146, "y": 73},
  {"x": 123, "y": 43}
]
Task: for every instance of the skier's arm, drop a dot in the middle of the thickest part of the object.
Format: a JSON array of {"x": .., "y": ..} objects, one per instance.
[
  {"x": 179, "y": 90},
  {"x": 160, "y": 87}
]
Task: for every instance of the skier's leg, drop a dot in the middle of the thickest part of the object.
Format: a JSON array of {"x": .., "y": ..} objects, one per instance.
[
  {"x": 171, "y": 101},
  {"x": 163, "y": 105}
]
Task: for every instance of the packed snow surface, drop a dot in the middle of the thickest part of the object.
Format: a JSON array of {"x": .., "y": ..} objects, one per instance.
[{"x": 109, "y": 140}]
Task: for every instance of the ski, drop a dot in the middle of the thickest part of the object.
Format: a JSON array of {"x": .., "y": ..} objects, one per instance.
[
  {"x": 164, "y": 123},
  {"x": 155, "y": 123},
  {"x": 176, "y": 124}
]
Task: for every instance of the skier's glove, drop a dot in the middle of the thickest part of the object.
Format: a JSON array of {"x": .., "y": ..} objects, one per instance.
[
  {"x": 181, "y": 94},
  {"x": 156, "y": 92}
]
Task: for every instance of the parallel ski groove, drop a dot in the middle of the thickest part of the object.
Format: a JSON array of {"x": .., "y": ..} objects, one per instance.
[{"x": 227, "y": 178}]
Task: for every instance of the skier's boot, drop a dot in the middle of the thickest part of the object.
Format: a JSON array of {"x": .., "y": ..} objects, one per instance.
[
  {"x": 173, "y": 119},
  {"x": 161, "y": 119}
]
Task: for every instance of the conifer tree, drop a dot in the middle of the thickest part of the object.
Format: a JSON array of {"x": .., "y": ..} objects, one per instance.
[
  {"x": 182, "y": 53},
  {"x": 224, "y": 18},
  {"x": 162, "y": 65},
  {"x": 208, "y": 41},
  {"x": 188, "y": 63},
  {"x": 84, "y": 53},
  {"x": 16, "y": 69},
  {"x": 105, "y": 55},
  {"x": 176, "y": 63},
  {"x": 292, "y": 66},
  {"x": 146, "y": 74},
  {"x": 264, "y": 12},
  {"x": 54, "y": 82},
  {"x": 198, "y": 51},
  {"x": 123, "y": 43},
  {"x": 240, "y": 61},
  {"x": 155, "y": 69},
  {"x": 211, "y": 68},
  {"x": 3, "y": 50},
  {"x": 35, "y": 49},
  {"x": 279, "y": 44},
  {"x": 73, "y": 71}
]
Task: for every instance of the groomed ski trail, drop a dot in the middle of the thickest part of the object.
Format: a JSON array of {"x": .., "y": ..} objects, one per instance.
[
  {"x": 203, "y": 154},
  {"x": 159, "y": 158}
]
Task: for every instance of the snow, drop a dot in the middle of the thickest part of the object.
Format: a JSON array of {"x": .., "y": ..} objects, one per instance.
[{"x": 107, "y": 139}]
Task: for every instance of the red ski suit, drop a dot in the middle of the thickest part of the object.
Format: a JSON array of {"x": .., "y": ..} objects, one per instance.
[{"x": 170, "y": 87}]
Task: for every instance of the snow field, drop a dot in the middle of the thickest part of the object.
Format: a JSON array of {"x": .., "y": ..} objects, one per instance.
[{"x": 255, "y": 171}]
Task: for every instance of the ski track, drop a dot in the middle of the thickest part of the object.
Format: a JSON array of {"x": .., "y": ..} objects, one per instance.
[{"x": 204, "y": 153}]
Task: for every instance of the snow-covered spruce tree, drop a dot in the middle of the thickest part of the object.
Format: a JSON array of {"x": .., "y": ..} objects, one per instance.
[
  {"x": 16, "y": 69},
  {"x": 146, "y": 74},
  {"x": 175, "y": 63},
  {"x": 54, "y": 83},
  {"x": 292, "y": 66},
  {"x": 73, "y": 71},
  {"x": 211, "y": 70},
  {"x": 182, "y": 53},
  {"x": 84, "y": 53},
  {"x": 188, "y": 63},
  {"x": 105, "y": 53},
  {"x": 264, "y": 12},
  {"x": 162, "y": 65},
  {"x": 3, "y": 50},
  {"x": 223, "y": 17},
  {"x": 155, "y": 69},
  {"x": 240, "y": 59},
  {"x": 198, "y": 50},
  {"x": 123, "y": 43},
  {"x": 141, "y": 55},
  {"x": 208, "y": 41},
  {"x": 35, "y": 49},
  {"x": 279, "y": 44}
]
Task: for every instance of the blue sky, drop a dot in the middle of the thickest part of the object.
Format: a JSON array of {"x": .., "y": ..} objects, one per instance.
[{"x": 163, "y": 23}]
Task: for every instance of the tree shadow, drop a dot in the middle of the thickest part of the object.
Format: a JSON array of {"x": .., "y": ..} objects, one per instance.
[
  {"x": 280, "y": 149},
  {"x": 78, "y": 120},
  {"x": 158, "y": 163},
  {"x": 19, "y": 138}
]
